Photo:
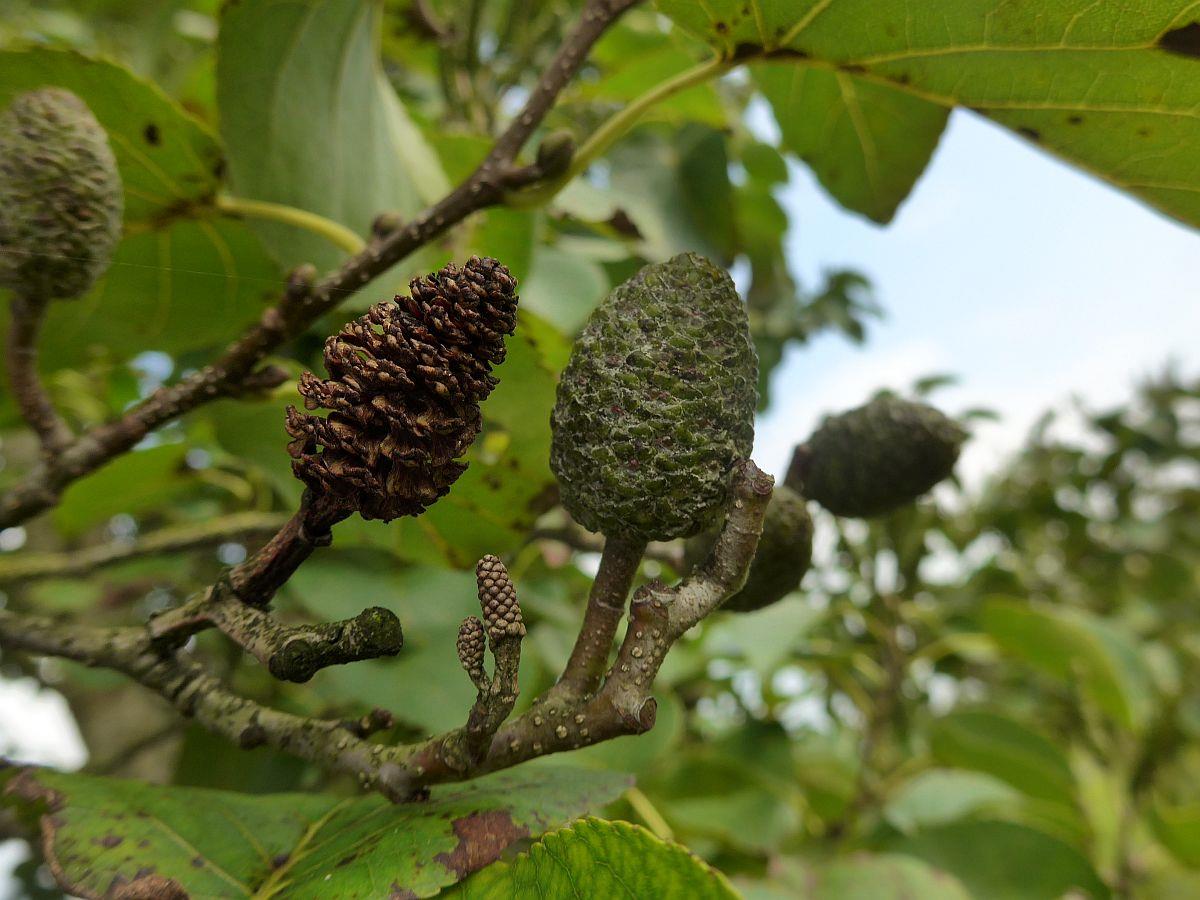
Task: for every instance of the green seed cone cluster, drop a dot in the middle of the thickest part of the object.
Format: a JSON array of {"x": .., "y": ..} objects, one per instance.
[
  {"x": 880, "y": 456},
  {"x": 61, "y": 199},
  {"x": 656, "y": 404},
  {"x": 783, "y": 556},
  {"x": 404, "y": 388}
]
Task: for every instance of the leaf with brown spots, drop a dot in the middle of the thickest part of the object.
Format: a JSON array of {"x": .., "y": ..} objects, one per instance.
[
  {"x": 111, "y": 838},
  {"x": 861, "y": 88}
]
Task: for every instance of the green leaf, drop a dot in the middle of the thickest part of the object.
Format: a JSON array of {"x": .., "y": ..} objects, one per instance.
[
  {"x": 1076, "y": 647},
  {"x": 1110, "y": 89},
  {"x": 1177, "y": 827},
  {"x": 563, "y": 287},
  {"x": 1006, "y": 749},
  {"x": 430, "y": 602},
  {"x": 188, "y": 284},
  {"x": 655, "y": 184},
  {"x": 1005, "y": 861},
  {"x": 309, "y": 120},
  {"x": 102, "y": 831},
  {"x": 715, "y": 794},
  {"x": 765, "y": 638},
  {"x": 866, "y": 143},
  {"x": 142, "y": 479},
  {"x": 253, "y": 431},
  {"x": 508, "y": 235},
  {"x": 939, "y": 796},
  {"x": 595, "y": 858},
  {"x": 827, "y": 770},
  {"x": 1169, "y": 884},
  {"x": 635, "y": 57},
  {"x": 867, "y": 876}
]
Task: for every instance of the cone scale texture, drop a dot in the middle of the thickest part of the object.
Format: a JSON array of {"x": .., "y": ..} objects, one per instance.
[
  {"x": 656, "y": 404},
  {"x": 61, "y": 199},
  {"x": 403, "y": 393}
]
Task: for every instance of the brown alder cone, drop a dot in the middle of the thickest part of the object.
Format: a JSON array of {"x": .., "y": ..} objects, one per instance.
[
  {"x": 498, "y": 597},
  {"x": 403, "y": 393}
]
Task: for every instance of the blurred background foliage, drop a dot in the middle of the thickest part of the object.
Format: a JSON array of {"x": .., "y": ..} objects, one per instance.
[{"x": 990, "y": 694}]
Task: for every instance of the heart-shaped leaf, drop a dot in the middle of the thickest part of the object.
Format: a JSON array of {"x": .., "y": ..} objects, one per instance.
[{"x": 1111, "y": 91}]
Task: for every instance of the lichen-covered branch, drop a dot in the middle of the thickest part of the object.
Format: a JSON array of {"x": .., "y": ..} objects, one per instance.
[
  {"x": 306, "y": 299},
  {"x": 623, "y": 705},
  {"x": 659, "y": 615},
  {"x": 236, "y": 604},
  {"x": 198, "y": 695},
  {"x": 297, "y": 652}
]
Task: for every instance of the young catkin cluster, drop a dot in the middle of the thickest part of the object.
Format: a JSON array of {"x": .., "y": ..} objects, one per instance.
[
  {"x": 470, "y": 646},
  {"x": 498, "y": 598},
  {"x": 656, "y": 403},
  {"x": 61, "y": 199},
  {"x": 403, "y": 392}
]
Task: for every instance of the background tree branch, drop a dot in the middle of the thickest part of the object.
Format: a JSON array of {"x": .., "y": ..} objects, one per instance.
[
  {"x": 306, "y": 300},
  {"x": 27, "y": 567}
]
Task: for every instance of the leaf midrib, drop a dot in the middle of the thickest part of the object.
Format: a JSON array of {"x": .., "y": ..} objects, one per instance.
[{"x": 278, "y": 878}]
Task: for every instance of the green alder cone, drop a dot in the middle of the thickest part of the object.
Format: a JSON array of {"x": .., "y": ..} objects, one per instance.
[
  {"x": 783, "y": 556},
  {"x": 656, "y": 403},
  {"x": 880, "y": 456},
  {"x": 61, "y": 199}
]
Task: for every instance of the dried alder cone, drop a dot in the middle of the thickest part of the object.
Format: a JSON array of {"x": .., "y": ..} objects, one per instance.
[
  {"x": 403, "y": 393},
  {"x": 783, "y": 556},
  {"x": 875, "y": 458},
  {"x": 657, "y": 403},
  {"x": 61, "y": 199}
]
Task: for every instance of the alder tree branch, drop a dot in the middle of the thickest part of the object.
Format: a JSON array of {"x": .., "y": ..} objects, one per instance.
[
  {"x": 306, "y": 298},
  {"x": 296, "y": 653},
  {"x": 236, "y": 605},
  {"x": 426, "y": 22},
  {"x": 623, "y": 704},
  {"x": 591, "y": 702},
  {"x": 23, "y": 378},
  {"x": 28, "y": 567}
]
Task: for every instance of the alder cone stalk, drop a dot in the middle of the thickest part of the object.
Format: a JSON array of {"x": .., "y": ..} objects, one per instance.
[
  {"x": 470, "y": 645},
  {"x": 403, "y": 393}
]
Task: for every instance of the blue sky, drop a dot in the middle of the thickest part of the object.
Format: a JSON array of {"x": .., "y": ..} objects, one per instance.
[{"x": 1029, "y": 280}]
